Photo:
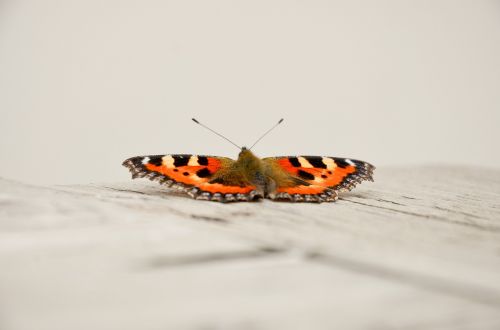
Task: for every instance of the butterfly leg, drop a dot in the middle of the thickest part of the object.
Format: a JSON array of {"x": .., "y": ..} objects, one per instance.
[{"x": 270, "y": 188}]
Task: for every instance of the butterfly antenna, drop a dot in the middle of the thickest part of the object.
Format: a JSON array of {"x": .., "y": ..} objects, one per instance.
[
  {"x": 211, "y": 130},
  {"x": 279, "y": 122}
]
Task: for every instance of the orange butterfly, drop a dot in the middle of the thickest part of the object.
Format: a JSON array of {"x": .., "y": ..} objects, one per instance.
[{"x": 249, "y": 178}]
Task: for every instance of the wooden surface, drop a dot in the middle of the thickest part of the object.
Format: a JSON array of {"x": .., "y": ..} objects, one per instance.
[{"x": 417, "y": 249}]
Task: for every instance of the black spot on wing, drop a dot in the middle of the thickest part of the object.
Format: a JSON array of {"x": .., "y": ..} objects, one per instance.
[
  {"x": 316, "y": 161},
  {"x": 156, "y": 160},
  {"x": 203, "y": 173},
  {"x": 305, "y": 175},
  {"x": 185, "y": 173},
  {"x": 294, "y": 161},
  {"x": 202, "y": 160},
  {"x": 341, "y": 162},
  {"x": 181, "y": 160}
]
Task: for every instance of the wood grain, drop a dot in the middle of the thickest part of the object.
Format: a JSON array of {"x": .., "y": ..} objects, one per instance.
[{"x": 417, "y": 249}]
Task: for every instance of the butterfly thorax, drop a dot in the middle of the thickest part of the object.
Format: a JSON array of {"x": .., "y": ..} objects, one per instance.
[
  {"x": 260, "y": 174},
  {"x": 245, "y": 171},
  {"x": 250, "y": 167}
]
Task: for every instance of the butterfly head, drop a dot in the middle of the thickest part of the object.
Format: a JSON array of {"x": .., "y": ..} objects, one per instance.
[
  {"x": 245, "y": 153},
  {"x": 247, "y": 158}
]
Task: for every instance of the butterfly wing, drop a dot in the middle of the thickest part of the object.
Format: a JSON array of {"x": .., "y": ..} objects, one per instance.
[
  {"x": 317, "y": 178},
  {"x": 202, "y": 177}
]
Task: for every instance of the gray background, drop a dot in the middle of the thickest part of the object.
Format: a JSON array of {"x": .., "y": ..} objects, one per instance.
[{"x": 86, "y": 84}]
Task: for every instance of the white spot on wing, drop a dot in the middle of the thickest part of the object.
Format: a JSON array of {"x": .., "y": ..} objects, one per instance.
[
  {"x": 350, "y": 162},
  {"x": 330, "y": 164},
  {"x": 304, "y": 162},
  {"x": 193, "y": 161},
  {"x": 168, "y": 161},
  {"x": 145, "y": 160}
]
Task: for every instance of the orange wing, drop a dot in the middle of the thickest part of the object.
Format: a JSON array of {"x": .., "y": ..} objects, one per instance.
[
  {"x": 321, "y": 177},
  {"x": 196, "y": 175}
]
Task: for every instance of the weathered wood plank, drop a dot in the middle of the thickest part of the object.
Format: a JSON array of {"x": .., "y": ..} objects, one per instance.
[{"x": 418, "y": 249}]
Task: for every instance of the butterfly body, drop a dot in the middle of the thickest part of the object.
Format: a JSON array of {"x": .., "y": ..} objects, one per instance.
[{"x": 249, "y": 178}]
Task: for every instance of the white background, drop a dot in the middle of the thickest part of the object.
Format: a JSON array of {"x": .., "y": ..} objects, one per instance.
[{"x": 86, "y": 84}]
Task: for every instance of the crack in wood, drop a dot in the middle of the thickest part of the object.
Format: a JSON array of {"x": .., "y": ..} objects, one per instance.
[
  {"x": 437, "y": 207},
  {"x": 207, "y": 218},
  {"x": 388, "y": 201},
  {"x": 124, "y": 190},
  {"x": 430, "y": 217},
  {"x": 162, "y": 262},
  {"x": 430, "y": 283}
]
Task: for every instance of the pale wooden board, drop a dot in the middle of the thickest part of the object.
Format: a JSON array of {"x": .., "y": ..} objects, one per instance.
[{"x": 417, "y": 249}]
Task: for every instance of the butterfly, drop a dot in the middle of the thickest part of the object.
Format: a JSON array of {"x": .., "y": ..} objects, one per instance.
[{"x": 249, "y": 178}]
